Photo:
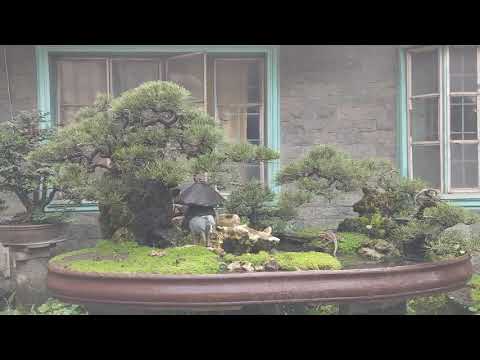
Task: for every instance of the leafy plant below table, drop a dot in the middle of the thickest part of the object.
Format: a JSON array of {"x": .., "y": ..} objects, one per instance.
[
  {"x": 475, "y": 294},
  {"x": 50, "y": 307}
]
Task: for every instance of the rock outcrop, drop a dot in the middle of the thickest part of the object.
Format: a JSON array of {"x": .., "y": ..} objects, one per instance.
[{"x": 241, "y": 239}]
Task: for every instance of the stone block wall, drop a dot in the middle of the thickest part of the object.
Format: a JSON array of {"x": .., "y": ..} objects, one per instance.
[
  {"x": 22, "y": 79},
  {"x": 339, "y": 95}
]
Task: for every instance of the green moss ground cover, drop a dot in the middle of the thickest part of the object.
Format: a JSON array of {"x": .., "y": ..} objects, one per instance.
[
  {"x": 475, "y": 293},
  {"x": 108, "y": 257},
  {"x": 350, "y": 243}
]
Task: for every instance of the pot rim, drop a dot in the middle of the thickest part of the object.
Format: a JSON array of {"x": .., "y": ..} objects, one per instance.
[
  {"x": 20, "y": 227},
  {"x": 55, "y": 268}
]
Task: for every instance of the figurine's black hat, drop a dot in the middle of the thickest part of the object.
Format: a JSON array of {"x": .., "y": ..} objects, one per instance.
[{"x": 200, "y": 194}]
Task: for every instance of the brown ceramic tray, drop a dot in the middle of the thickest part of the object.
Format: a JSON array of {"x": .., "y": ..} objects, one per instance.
[
  {"x": 151, "y": 291},
  {"x": 27, "y": 234}
]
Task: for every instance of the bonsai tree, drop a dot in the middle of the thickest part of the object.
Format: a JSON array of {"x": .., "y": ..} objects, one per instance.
[
  {"x": 326, "y": 172},
  {"x": 262, "y": 207},
  {"x": 31, "y": 181},
  {"x": 130, "y": 154}
]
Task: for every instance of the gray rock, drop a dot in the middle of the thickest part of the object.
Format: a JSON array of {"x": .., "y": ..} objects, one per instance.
[
  {"x": 235, "y": 266},
  {"x": 370, "y": 253},
  {"x": 465, "y": 230},
  {"x": 248, "y": 267},
  {"x": 238, "y": 266},
  {"x": 242, "y": 239},
  {"x": 383, "y": 247},
  {"x": 272, "y": 265}
]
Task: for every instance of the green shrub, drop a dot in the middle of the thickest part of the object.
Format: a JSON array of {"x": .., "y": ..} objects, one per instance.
[
  {"x": 391, "y": 195},
  {"x": 428, "y": 305},
  {"x": 350, "y": 243},
  {"x": 452, "y": 244},
  {"x": 354, "y": 225},
  {"x": 413, "y": 230},
  {"x": 375, "y": 226},
  {"x": 474, "y": 284},
  {"x": 301, "y": 309},
  {"x": 263, "y": 208},
  {"x": 33, "y": 182},
  {"x": 446, "y": 216},
  {"x": 50, "y": 307},
  {"x": 323, "y": 310}
]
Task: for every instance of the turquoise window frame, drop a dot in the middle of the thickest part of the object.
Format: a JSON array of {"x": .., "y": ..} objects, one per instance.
[
  {"x": 466, "y": 200},
  {"x": 271, "y": 52}
]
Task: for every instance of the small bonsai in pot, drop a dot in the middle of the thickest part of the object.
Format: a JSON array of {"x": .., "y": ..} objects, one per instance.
[
  {"x": 131, "y": 153},
  {"x": 31, "y": 181}
]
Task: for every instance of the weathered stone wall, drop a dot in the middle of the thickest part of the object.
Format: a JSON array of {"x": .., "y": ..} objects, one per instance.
[
  {"x": 22, "y": 79},
  {"x": 18, "y": 93},
  {"x": 340, "y": 95}
]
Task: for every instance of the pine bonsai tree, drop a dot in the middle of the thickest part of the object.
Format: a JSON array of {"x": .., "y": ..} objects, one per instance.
[
  {"x": 324, "y": 172},
  {"x": 130, "y": 153},
  {"x": 31, "y": 181},
  {"x": 327, "y": 172}
]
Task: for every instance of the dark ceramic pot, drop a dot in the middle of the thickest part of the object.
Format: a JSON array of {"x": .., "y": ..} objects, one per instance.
[
  {"x": 29, "y": 234},
  {"x": 153, "y": 292}
]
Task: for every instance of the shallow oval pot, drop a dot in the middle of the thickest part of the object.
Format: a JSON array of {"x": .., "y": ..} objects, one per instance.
[
  {"x": 29, "y": 234},
  {"x": 221, "y": 291}
]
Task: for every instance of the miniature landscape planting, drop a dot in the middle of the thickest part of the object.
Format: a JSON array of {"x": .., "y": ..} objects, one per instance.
[
  {"x": 160, "y": 170},
  {"x": 132, "y": 258}
]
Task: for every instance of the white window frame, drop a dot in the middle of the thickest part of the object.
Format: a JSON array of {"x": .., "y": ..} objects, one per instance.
[{"x": 444, "y": 103}]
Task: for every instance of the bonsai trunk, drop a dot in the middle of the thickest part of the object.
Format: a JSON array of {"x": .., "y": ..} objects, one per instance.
[
  {"x": 152, "y": 216},
  {"x": 27, "y": 216}
]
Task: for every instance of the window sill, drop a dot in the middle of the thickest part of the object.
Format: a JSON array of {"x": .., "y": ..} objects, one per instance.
[
  {"x": 466, "y": 200},
  {"x": 62, "y": 205}
]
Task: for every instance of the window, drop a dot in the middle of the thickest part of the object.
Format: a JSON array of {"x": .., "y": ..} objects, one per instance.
[
  {"x": 443, "y": 96},
  {"x": 129, "y": 65},
  {"x": 230, "y": 88},
  {"x": 239, "y": 105}
]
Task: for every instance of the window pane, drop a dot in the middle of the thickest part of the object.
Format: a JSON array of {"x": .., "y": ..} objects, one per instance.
[
  {"x": 424, "y": 117},
  {"x": 128, "y": 74},
  {"x": 464, "y": 165},
  {"x": 188, "y": 71},
  {"x": 426, "y": 163},
  {"x": 463, "y": 69},
  {"x": 81, "y": 81},
  {"x": 239, "y": 99},
  {"x": 463, "y": 118},
  {"x": 425, "y": 72}
]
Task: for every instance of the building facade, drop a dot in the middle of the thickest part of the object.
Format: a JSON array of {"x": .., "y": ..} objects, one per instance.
[{"x": 413, "y": 105}]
